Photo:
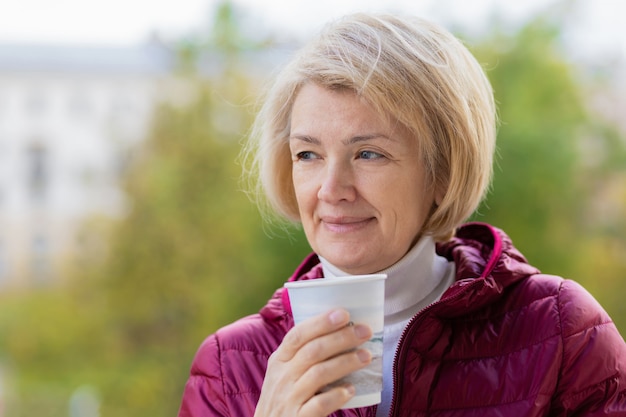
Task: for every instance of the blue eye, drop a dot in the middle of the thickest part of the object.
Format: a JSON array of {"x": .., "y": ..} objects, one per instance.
[
  {"x": 369, "y": 155},
  {"x": 305, "y": 155}
]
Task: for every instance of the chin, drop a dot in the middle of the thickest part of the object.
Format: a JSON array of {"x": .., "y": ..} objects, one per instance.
[
  {"x": 354, "y": 268},
  {"x": 340, "y": 262},
  {"x": 349, "y": 260}
]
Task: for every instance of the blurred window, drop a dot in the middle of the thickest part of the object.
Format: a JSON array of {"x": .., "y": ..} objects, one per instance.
[
  {"x": 79, "y": 105},
  {"x": 36, "y": 103},
  {"x": 122, "y": 162},
  {"x": 40, "y": 261},
  {"x": 123, "y": 108},
  {"x": 3, "y": 266},
  {"x": 5, "y": 168},
  {"x": 38, "y": 172}
]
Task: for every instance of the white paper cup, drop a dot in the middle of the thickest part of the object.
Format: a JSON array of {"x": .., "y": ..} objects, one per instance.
[{"x": 364, "y": 297}]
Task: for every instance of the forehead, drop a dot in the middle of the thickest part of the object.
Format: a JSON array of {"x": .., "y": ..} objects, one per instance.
[
  {"x": 323, "y": 116},
  {"x": 319, "y": 107}
]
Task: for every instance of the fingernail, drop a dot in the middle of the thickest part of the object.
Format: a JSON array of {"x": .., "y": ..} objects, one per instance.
[
  {"x": 351, "y": 390},
  {"x": 338, "y": 316},
  {"x": 364, "y": 355},
  {"x": 362, "y": 331}
]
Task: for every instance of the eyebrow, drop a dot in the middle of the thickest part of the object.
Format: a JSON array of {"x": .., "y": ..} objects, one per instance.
[
  {"x": 352, "y": 140},
  {"x": 305, "y": 138}
]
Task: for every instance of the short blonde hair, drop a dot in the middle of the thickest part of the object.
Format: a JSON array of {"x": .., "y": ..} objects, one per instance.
[{"x": 406, "y": 68}]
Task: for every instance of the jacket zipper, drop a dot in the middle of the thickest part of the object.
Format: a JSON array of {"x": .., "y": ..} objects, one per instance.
[{"x": 402, "y": 350}]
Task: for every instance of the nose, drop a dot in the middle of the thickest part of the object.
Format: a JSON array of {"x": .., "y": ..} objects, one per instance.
[{"x": 337, "y": 183}]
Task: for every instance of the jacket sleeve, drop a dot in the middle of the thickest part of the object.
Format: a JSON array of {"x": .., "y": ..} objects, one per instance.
[
  {"x": 593, "y": 372},
  {"x": 204, "y": 391}
]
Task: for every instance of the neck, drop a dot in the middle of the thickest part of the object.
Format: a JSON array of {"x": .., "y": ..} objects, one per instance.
[{"x": 410, "y": 280}]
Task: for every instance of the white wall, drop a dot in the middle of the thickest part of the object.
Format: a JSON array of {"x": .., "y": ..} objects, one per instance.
[{"x": 64, "y": 133}]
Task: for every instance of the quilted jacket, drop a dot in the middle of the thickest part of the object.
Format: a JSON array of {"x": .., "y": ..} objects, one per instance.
[{"x": 504, "y": 340}]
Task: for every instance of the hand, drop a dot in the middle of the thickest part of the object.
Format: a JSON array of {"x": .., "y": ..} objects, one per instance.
[{"x": 314, "y": 353}]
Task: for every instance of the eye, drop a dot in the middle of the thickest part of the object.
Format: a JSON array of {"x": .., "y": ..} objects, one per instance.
[
  {"x": 305, "y": 156},
  {"x": 369, "y": 155}
]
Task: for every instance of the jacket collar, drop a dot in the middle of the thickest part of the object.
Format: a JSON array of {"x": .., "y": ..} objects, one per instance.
[
  {"x": 485, "y": 259},
  {"x": 486, "y": 263}
]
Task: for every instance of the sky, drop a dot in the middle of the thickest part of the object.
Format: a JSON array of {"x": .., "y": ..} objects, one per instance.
[{"x": 597, "y": 25}]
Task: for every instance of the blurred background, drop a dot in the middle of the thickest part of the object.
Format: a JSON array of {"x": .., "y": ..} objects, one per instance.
[{"x": 126, "y": 236}]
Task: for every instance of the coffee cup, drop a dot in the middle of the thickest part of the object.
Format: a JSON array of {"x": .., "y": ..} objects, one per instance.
[{"x": 363, "y": 296}]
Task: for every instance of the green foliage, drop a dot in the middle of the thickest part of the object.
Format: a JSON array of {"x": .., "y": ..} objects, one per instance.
[
  {"x": 536, "y": 185},
  {"x": 191, "y": 255},
  {"x": 545, "y": 183},
  {"x": 48, "y": 339}
]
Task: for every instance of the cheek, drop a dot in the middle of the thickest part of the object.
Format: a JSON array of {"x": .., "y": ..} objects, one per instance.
[
  {"x": 304, "y": 192},
  {"x": 411, "y": 209}
]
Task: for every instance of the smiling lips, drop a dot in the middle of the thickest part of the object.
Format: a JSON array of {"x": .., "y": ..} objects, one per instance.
[{"x": 345, "y": 224}]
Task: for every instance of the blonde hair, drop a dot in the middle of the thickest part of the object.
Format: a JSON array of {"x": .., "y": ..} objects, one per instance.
[{"x": 406, "y": 68}]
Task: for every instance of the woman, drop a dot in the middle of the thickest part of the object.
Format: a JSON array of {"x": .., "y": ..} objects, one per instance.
[{"x": 378, "y": 137}]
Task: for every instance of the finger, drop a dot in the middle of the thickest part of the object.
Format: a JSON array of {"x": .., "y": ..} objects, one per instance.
[
  {"x": 332, "y": 344},
  {"x": 310, "y": 329},
  {"x": 327, "y": 402},
  {"x": 319, "y": 362},
  {"x": 328, "y": 372}
]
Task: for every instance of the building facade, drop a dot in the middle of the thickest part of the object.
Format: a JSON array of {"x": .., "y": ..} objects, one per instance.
[{"x": 69, "y": 116}]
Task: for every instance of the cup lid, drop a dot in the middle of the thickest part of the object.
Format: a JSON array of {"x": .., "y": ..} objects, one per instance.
[{"x": 323, "y": 282}]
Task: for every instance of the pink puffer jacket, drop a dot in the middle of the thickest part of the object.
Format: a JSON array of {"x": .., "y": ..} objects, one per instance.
[{"x": 504, "y": 340}]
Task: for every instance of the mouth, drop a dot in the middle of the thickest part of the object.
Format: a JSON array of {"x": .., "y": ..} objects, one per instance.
[{"x": 345, "y": 224}]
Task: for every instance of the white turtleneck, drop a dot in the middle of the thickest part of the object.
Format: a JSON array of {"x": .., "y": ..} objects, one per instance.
[{"x": 414, "y": 282}]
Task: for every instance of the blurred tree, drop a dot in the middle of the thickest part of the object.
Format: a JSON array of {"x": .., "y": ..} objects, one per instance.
[
  {"x": 192, "y": 253},
  {"x": 547, "y": 184},
  {"x": 37, "y": 332},
  {"x": 537, "y": 188}
]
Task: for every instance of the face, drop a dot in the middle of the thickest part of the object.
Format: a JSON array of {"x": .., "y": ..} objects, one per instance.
[{"x": 359, "y": 181}]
